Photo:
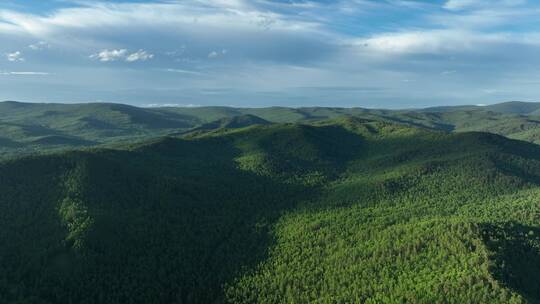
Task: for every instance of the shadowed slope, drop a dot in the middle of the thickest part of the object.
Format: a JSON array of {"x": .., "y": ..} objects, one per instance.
[{"x": 170, "y": 221}]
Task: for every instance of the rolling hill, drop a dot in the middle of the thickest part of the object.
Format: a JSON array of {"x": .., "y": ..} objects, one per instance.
[
  {"x": 28, "y": 127},
  {"x": 36, "y": 127},
  {"x": 516, "y": 107},
  {"x": 349, "y": 210},
  {"x": 235, "y": 122}
]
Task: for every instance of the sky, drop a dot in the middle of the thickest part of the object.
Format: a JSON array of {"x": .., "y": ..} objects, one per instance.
[{"x": 258, "y": 53}]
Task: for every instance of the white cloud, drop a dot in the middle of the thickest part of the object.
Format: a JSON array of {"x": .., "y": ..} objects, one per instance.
[
  {"x": 441, "y": 41},
  {"x": 140, "y": 55},
  {"x": 15, "y": 56},
  {"x": 414, "y": 42},
  {"x": 110, "y": 55},
  {"x": 122, "y": 54}
]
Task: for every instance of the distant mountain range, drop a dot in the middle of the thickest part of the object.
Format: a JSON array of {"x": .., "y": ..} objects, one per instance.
[{"x": 30, "y": 127}]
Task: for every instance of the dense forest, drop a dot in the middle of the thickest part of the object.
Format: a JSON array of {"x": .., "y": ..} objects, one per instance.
[{"x": 353, "y": 209}]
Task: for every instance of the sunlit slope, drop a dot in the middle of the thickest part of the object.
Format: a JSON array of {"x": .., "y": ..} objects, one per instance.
[
  {"x": 516, "y": 126},
  {"x": 235, "y": 122},
  {"x": 419, "y": 218}
]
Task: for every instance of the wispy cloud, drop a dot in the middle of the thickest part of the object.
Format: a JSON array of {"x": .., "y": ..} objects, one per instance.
[
  {"x": 460, "y": 4},
  {"x": 40, "y": 45},
  {"x": 110, "y": 55},
  {"x": 24, "y": 73},
  {"x": 456, "y": 5},
  {"x": 97, "y": 14},
  {"x": 449, "y": 72},
  {"x": 122, "y": 54},
  {"x": 140, "y": 55},
  {"x": 182, "y": 71},
  {"x": 443, "y": 41}
]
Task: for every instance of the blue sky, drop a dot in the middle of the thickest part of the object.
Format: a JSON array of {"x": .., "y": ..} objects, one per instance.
[{"x": 356, "y": 53}]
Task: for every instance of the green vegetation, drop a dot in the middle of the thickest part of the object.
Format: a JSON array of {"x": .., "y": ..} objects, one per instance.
[
  {"x": 26, "y": 128},
  {"x": 33, "y": 127},
  {"x": 349, "y": 210}
]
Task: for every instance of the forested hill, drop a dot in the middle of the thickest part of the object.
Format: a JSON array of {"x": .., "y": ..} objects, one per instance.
[
  {"x": 35, "y": 127},
  {"x": 351, "y": 210}
]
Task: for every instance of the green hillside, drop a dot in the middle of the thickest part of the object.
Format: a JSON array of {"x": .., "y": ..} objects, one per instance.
[
  {"x": 28, "y": 127},
  {"x": 235, "y": 122},
  {"x": 36, "y": 127},
  {"x": 516, "y": 107},
  {"x": 509, "y": 107},
  {"x": 516, "y": 126},
  {"x": 351, "y": 210}
]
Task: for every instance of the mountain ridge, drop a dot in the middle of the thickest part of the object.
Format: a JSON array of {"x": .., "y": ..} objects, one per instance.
[
  {"x": 505, "y": 104},
  {"x": 26, "y": 128}
]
